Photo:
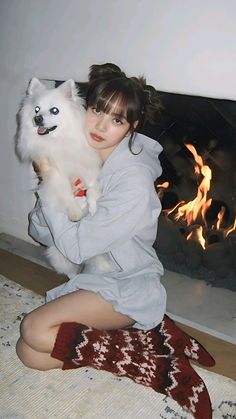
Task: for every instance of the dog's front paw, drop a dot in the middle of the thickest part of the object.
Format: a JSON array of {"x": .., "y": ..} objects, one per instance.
[
  {"x": 92, "y": 206},
  {"x": 74, "y": 213},
  {"x": 93, "y": 193}
]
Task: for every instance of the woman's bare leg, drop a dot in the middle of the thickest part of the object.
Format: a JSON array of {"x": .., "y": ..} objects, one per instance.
[
  {"x": 39, "y": 328},
  {"x": 36, "y": 360}
]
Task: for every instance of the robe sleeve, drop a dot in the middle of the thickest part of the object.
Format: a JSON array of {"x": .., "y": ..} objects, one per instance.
[
  {"x": 122, "y": 212},
  {"x": 38, "y": 228}
]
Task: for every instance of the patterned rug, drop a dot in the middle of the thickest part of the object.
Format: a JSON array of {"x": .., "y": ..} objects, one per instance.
[{"x": 86, "y": 392}]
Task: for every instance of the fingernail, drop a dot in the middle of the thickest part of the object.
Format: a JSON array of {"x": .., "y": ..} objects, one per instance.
[
  {"x": 77, "y": 182},
  {"x": 82, "y": 192}
]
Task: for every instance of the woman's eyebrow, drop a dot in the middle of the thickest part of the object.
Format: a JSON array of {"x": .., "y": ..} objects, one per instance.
[{"x": 119, "y": 115}]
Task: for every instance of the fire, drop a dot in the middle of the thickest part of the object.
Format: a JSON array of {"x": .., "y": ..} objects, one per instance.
[
  {"x": 161, "y": 187},
  {"x": 230, "y": 229},
  {"x": 164, "y": 185},
  {"x": 191, "y": 210},
  {"x": 197, "y": 235},
  {"x": 220, "y": 218},
  {"x": 193, "y": 213},
  {"x": 204, "y": 210},
  {"x": 168, "y": 212},
  {"x": 200, "y": 237}
]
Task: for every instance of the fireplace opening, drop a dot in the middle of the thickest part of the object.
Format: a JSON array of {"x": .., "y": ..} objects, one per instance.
[{"x": 197, "y": 228}]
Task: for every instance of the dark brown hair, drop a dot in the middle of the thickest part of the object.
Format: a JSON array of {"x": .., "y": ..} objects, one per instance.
[{"x": 133, "y": 98}]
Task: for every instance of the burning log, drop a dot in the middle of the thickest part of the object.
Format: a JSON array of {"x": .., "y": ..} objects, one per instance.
[
  {"x": 231, "y": 242},
  {"x": 217, "y": 258},
  {"x": 169, "y": 239},
  {"x": 214, "y": 236},
  {"x": 193, "y": 252}
]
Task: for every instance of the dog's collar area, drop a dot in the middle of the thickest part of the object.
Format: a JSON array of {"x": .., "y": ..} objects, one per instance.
[{"x": 44, "y": 130}]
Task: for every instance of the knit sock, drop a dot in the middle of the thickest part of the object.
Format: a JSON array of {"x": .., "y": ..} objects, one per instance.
[
  {"x": 131, "y": 353},
  {"x": 178, "y": 343}
]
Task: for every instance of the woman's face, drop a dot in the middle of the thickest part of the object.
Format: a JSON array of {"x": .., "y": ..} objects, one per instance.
[{"x": 104, "y": 131}]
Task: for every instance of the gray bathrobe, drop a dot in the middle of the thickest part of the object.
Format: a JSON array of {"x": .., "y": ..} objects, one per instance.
[{"x": 123, "y": 229}]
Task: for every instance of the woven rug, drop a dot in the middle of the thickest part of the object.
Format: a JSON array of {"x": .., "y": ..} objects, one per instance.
[{"x": 84, "y": 393}]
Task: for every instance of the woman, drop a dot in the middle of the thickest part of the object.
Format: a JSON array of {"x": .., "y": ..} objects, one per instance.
[{"x": 127, "y": 292}]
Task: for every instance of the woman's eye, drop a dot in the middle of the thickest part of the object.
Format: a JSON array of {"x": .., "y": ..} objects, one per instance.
[
  {"x": 54, "y": 110},
  {"x": 118, "y": 121},
  {"x": 37, "y": 109},
  {"x": 96, "y": 111}
]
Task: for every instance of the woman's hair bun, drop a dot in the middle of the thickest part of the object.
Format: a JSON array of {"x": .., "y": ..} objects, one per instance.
[
  {"x": 149, "y": 99},
  {"x": 108, "y": 70}
]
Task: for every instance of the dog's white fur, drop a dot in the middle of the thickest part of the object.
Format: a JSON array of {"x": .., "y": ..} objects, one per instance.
[{"x": 65, "y": 147}]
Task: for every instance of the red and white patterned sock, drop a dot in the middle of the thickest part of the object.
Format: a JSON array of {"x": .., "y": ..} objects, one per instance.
[{"x": 145, "y": 357}]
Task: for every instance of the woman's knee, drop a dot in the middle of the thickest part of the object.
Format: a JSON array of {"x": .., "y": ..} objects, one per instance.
[
  {"x": 29, "y": 330},
  {"x": 26, "y": 355},
  {"x": 36, "y": 360},
  {"x": 37, "y": 332}
]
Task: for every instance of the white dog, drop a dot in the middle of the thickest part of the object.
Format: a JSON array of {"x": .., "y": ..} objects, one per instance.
[{"x": 51, "y": 126}]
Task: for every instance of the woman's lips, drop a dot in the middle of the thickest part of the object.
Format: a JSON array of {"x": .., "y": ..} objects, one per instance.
[{"x": 96, "y": 137}]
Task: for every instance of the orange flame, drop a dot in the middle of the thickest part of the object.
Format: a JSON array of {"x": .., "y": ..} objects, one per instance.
[
  {"x": 204, "y": 210},
  {"x": 220, "y": 217},
  {"x": 161, "y": 187},
  {"x": 199, "y": 234},
  {"x": 190, "y": 211},
  {"x": 169, "y": 211},
  {"x": 164, "y": 185},
  {"x": 230, "y": 229},
  {"x": 196, "y": 209}
]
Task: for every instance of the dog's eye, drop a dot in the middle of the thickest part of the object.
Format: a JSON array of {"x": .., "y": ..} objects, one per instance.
[
  {"x": 54, "y": 110},
  {"x": 37, "y": 109}
]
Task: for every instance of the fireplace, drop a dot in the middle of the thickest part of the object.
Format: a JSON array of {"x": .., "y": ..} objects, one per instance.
[
  {"x": 198, "y": 135},
  {"x": 196, "y": 234}
]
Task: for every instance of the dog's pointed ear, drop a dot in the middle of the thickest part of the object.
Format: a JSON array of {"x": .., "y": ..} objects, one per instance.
[
  {"x": 35, "y": 86},
  {"x": 69, "y": 89}
]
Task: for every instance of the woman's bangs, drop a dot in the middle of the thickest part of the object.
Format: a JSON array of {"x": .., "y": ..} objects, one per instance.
[
  {"x": 116, "y": 99},
  {"x": 112, "y": 101}
]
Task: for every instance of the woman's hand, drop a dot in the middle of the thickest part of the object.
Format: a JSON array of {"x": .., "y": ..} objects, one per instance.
[
  {"x": 42, "y": 168},
  {"x": 78, "y": 188}
]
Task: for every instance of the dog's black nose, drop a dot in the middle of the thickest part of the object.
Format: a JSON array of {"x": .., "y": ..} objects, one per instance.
[{"x": 38, "y": 119}]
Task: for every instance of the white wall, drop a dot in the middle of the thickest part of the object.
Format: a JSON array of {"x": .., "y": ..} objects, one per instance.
[{"x": 183, "y": 46}]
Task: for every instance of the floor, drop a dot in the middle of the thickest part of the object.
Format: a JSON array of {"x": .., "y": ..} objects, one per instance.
[{"x": 206, "y": 313}]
